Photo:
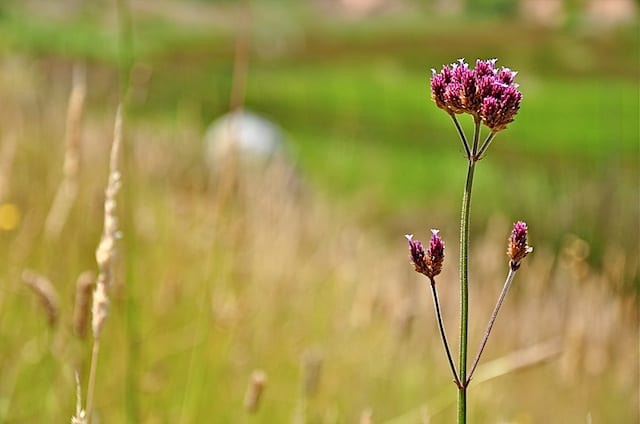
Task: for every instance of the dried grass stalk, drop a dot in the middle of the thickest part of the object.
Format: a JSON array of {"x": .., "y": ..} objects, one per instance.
[
  {"x": 7, "y": 156},
  {"x": 518, "y": 360},
  {"x": 311, "y": 371},
  {"x": 105, "y": 254},
  {"x": 80, "y": 417},
  {"x": 255, "y": 389},
  {"x": 46, "y": 293},
  {"x": 68, "y": 189},
  {"x": 84, "y": 285},
  {"x": 106, "y": 251}
]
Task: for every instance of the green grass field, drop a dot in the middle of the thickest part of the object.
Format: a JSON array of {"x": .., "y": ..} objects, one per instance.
[{"x": 213, "y": 284}]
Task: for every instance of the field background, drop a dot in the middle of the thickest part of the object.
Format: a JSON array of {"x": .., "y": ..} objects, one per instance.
[{"x": 312, "y": 284}]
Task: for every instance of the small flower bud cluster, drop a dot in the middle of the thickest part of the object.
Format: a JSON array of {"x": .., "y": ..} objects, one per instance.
[
  {"x": 518, "y": 247},
  {"x": 487, "y": 93},
  {"x": 430, "y": 262}
]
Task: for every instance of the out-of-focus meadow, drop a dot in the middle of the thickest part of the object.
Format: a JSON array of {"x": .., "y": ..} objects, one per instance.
[{"x": 309, "y": 281}]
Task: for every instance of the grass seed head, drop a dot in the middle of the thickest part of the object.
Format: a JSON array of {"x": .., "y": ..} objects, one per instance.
[{"x": 46, "y": 293}]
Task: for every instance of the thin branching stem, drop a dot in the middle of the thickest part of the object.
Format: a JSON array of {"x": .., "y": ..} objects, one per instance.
[
  {"x": 485, "y": 145},
  {"x": 476, "y": 136},
  {"x": 487, "y": 332},
  {"x": 443, "y": 334},
  {"x": 463, "y": 138}
]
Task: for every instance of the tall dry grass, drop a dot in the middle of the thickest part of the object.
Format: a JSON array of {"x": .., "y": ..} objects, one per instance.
[
  {"x": 68, "y": 189},
  {"x": 105, "y": 258}
]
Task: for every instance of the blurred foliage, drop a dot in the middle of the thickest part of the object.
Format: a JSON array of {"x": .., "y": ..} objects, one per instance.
[
  {"x": 493, "y": 7},
  {"x": 345, "y": 89}
]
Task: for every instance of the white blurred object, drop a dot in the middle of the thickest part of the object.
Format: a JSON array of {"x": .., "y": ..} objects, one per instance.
[
  {"x": 248, "y": 159},
  {"x": 247, "y": 139}
]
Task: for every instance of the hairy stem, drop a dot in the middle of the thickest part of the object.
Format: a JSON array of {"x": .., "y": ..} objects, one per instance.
[
  {"x": 487, "y": 332},
  {"x": 443, "y": 334},
  {"x": 464, "y": 292}
]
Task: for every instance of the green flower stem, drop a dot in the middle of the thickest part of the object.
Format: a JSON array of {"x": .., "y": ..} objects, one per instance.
[
  {"x": 436, "y": 303},
  {"x": 487, "y": 332},
  {"x": 485, "y": 145},
  {"x": 464, "y": 292},
  {"x": 476, "y": 136},
  {"x": 463, "y": 138}
]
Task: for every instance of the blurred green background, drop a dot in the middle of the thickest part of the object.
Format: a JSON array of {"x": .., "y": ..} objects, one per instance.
[{"x": 214, "y": 284}]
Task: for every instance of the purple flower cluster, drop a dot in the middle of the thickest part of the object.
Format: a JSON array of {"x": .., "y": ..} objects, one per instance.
[
  {"x": 487, "y": 93},
  {"x": 430, "y": 262},
  {"x": 518, "y": 247}
]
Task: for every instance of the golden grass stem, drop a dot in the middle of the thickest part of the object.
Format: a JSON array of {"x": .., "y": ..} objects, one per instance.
[
  {"x": 80, "y": 416},
  {"x": 92, "y": 379},
  {"x": 105, "y": 254},
  {"x": 68, "y": 189},
  {"x": 7, "y": 157}
]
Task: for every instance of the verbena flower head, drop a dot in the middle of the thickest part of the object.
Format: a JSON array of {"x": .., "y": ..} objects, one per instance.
[
  {"x": 430, "y": 262},
  {"x": 518, "y": 247},
  {"x": 435, "y": 253},
  {"x": 417, "y": 255},
  {"x": 485, "y": 92}
]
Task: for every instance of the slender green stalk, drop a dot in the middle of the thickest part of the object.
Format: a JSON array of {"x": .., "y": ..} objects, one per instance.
[
  {"x": 487, "y": 332},
  {"x": 464, "y": 292},
  {"x": 485, "y": 145},
  {"x": 463, "y": 138},
  {"x": 436, "y": 303},
  {"x": 476, "y": 136},
  {"x": 464, "y": 276}
]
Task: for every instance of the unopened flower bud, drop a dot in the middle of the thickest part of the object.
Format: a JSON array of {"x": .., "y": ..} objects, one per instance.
[
  {"x": 518, "y": 247},
  {"x": 435, "y": 254},
  {"x": 430, "y": 262},
  {"x": 417, "y": 255}
]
